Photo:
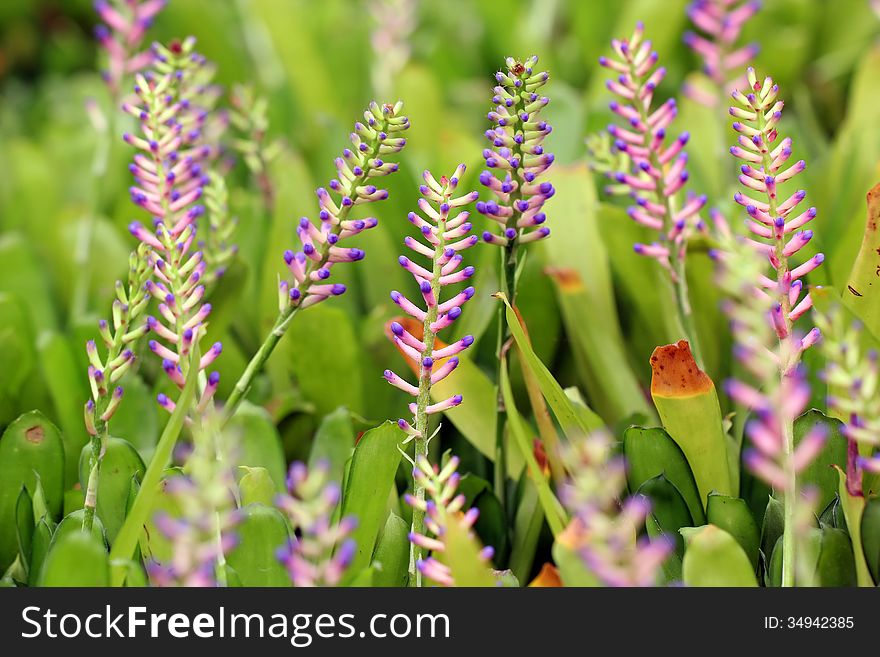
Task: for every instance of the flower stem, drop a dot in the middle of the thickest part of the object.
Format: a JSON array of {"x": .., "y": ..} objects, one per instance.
[
  {"x": 259, "y": 359},
  {"x": 509, "y": 262},
  {"x": 285, "y": 317},
  {"x": 422, "y": 401}
]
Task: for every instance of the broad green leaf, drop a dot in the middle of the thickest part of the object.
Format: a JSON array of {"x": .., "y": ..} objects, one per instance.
[
  {"x": 527, "y": 527},
  {"x": 22, "y": 274},
  {"x": 17, "y": 355},
  {"x": 137, "y": 418},
  {"x": 256, "y": 486},
  {"x": 368, "y": 485},
  {"x": 333, "y": 443},
  {"x": 669, "y": 512},
  {"x": 733, "y": 516},
  {"x": 391, "y": 559},
  {"x": 73, "y": 523},
  {"x": 76, "y": 559},
  {"x": 68, "y": 388},
  {"x": 257, "y": 442},
  {"x": 582, "y": 274},
  {"x": 820, "y": 474},
  {"x": 687, "y": 402},
  {"x": 836, "y": 565},
  {"x": 650, "y": 453},
  {"x": 31, "y": 450},
  {"x": 326, "y": 358},
  {"x": 771, "y": 528},
  {"x": 714, "y": 558},
  {"x": 120, "y": 464},
  {"x": 261, "y": 532}
]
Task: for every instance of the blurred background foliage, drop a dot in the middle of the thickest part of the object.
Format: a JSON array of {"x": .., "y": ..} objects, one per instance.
[{"x": 319, "y": 64}]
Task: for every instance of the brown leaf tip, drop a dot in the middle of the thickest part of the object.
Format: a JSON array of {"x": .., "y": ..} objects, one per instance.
[
  {"x": 674, "y": 372},
  {"x": 568, "y": 279}
]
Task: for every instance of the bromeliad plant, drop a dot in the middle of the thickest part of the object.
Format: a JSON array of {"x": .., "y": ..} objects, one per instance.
[
  {"x": 681, "y": 503},
  {"x": 658, "y": 172}
]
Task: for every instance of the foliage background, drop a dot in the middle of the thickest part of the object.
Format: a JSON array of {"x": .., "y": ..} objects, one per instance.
[{"x": 314, "y": 62}]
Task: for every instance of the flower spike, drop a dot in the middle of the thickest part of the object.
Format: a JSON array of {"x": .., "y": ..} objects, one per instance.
[
  {"x": 441, "y": 506},
  {"x": 718, "y": 24},
  {"x": 124, "y": 24},
  {"x": 446, "y": 233},
  {"x": 517, "y": 154},
  {"x": 323, "y": 550},
  {"x": 357, "y": 171},
  {"x": 603, "y": 529}
]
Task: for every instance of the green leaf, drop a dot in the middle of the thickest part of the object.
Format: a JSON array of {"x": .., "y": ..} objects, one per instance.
[
  {"x": 120, "y": 464},
  {"x": 391, "y": 559},
  {"x": 137, "y": 418},
  {"x": 560, "y": 404},
  {"x": 669, "y": 511},
  {"x": 258, "y": 442},
  {"x": 67, "y": 387},
  {"x": 370, "y": 481},
  {"x": 22, "y": 274},
  {"x": 582, "y": 274},
  {"x": 256, "y": 486},
  {"x": 326, "y": 359},
  {"x": 771, "y": 530},
  {"x": 31, "y": 450},
  {"x": 651, "y": 452},
  {"x": 687, "y": 402},
  {"x": 333, "y": 443},
  {"x": 870, "y": 531},
  {"x": 73, "y": 522},
  {"x": 527, "y": 526},
  {"x": 491, "y": 525},
  {"x": 714, "y": 558},
  {"x": 837, "y": 566},
  {"x": 24, "y": 525},
  {"x": 733, "y": 516},
  {"x": 76, "y": 559},
  {"x": 820, "y": 474},
  {"x": 16, "y": 346},
  {"x": 553, "y": 510},
  {"x": 261, "y": 532},
  {"x": 40, "y": 542}
]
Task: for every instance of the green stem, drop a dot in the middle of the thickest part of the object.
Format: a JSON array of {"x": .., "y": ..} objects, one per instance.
[
  {"x": 424, "y": 398},
  {"x": 129, "y": 533},
  {"x": 509, "y": 262},
  {"x": 259, "y": 359}
]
